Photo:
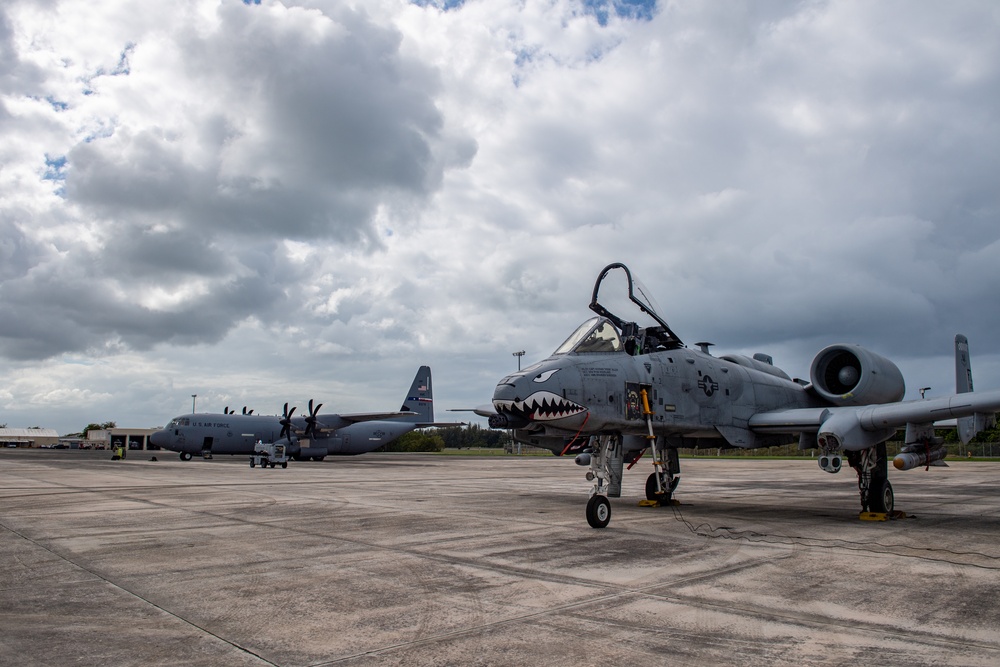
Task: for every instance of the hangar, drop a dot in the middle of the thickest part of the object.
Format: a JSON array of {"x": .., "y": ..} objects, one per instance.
[
  {"x": 28, "y": 437},
  {"x": 133, "y": 438}
]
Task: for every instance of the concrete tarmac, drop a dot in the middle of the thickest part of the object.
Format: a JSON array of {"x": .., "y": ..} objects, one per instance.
[{"x": 433, "y": 560}]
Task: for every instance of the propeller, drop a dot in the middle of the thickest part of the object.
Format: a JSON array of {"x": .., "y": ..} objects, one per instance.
[
  {"x": 286, "y": 423},
  {"x": 245, "y": 411},
  {"x": 311, "y": 420},
  {"x": 226, "y": 411}
]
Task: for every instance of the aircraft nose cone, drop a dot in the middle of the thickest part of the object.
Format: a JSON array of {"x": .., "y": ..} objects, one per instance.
[{"x": 539, "y": 395}]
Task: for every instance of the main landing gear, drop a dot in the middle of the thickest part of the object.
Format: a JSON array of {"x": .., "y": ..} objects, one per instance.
[
  {"x": 877, "y": 500},
  {"x": 663, "y": 481}
]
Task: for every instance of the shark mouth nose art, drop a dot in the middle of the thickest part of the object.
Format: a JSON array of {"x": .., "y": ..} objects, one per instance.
[{"x": 541, "y": 406}]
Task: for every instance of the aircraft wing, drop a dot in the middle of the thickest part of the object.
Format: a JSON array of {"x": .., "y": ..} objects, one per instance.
[{"x": 859, "y": 427}]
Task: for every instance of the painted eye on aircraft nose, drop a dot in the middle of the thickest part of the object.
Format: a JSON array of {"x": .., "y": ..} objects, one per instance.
[{"x": 542, "y": 377}]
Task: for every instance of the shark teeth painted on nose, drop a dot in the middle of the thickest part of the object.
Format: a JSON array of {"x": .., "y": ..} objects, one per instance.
[{"x": 546, "y": 406}]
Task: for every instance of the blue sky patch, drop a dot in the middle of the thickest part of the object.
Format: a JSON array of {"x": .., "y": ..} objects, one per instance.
[
  {"x": 55, "y": 171},
  {"x": 55, "y": 168},
  {"x": 58, "y": 105},
  {"x": 443, "y": 5},
  {"x": 121, "y": 68},
  {"x": 636, "y": 10}
]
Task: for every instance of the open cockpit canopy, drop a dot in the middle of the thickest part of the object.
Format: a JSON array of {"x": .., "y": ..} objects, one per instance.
[{"x": 646, "y": 331}]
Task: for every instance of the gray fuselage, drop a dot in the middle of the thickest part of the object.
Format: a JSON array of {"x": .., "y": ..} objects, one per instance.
[
  {"x": 690, "y": 394},
  {"x": 236, "y": 434}
]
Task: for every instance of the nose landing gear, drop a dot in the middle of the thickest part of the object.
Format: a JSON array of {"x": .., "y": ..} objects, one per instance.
[
  {"x": 606, "y": 465},
  {"x": 598, "y": 511}
]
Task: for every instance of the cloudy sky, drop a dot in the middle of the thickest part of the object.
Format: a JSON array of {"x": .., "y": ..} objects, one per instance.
[{"x": 276, "y": 201}]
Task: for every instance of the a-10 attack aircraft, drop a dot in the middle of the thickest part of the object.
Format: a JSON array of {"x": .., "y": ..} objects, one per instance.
[
  {"x": 614, "y": 389},
  {"x": 208, "y": 434}
]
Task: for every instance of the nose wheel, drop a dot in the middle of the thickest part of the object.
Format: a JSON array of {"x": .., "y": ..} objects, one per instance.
[{"x": 598, "y": 511}]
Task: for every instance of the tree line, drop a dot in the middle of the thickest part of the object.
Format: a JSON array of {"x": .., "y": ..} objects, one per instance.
[{"x": 472, "y": 436}]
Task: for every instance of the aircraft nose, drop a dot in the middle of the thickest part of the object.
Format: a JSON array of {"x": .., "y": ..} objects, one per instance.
[{"x": 540, "y": 395}]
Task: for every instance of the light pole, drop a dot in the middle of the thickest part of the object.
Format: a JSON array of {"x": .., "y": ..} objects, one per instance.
[
  {"x": 923, "y": 390},
  {"x": 519, "y": 354},
  {"x": 194, "y": 402}
]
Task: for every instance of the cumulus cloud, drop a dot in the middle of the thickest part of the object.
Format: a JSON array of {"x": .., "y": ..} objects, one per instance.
[
  {"x": 311, "y": 198},
  {"x": 203, "y": 141}
]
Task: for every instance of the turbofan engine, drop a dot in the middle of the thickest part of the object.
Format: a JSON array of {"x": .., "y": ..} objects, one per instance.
[{"x": 851, "y": 375}]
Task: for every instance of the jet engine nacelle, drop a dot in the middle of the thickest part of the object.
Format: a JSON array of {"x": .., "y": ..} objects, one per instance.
[{"x": 851, "y": 375}]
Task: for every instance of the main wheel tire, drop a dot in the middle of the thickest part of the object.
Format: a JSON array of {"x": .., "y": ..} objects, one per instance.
[
  {"x": 185, "y": 456},
  {"x": 882, "y": 500},
  {"x": 598, "y": 511}
]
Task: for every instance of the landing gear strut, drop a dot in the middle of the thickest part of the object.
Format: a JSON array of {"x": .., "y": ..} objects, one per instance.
[
  {"x": 606, "y": 465},
  {"x": 873, "y": 481},
  {"x": 662, "y": 482}
]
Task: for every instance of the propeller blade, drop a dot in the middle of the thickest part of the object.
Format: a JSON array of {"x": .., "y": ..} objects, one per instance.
[
  {"x": 286, "y": 423},
  {"x": 311, "y": 419}
]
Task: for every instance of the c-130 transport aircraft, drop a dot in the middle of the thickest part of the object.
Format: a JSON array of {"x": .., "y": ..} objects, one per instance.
[
  {"x": 614, "y": 389},
  {"x": 208, "y": 434}
]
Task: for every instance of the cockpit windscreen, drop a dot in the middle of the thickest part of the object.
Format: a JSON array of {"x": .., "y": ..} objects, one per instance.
[{"x": 595, "y": 335}]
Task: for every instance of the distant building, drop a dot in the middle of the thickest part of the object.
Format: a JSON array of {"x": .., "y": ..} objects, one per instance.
[
  {"x": 133, "y": 438},
  {"x": 28, "y": 437}
]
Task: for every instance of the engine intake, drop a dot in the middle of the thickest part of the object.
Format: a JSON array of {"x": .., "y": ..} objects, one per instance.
[{"x": 851, "y": 375}]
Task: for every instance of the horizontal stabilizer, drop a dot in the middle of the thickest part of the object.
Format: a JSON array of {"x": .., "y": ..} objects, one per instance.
[
  {"x": 485, "y": 410},
  {"x": 374, "y": 416},
  {"x": 968, "y": 427}
]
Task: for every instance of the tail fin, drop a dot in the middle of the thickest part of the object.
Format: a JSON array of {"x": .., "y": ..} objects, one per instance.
[
  {"x": 969, "y": 426},
  {"x": 963, "y": 366},
  {"x": 420, "y": 398}
]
